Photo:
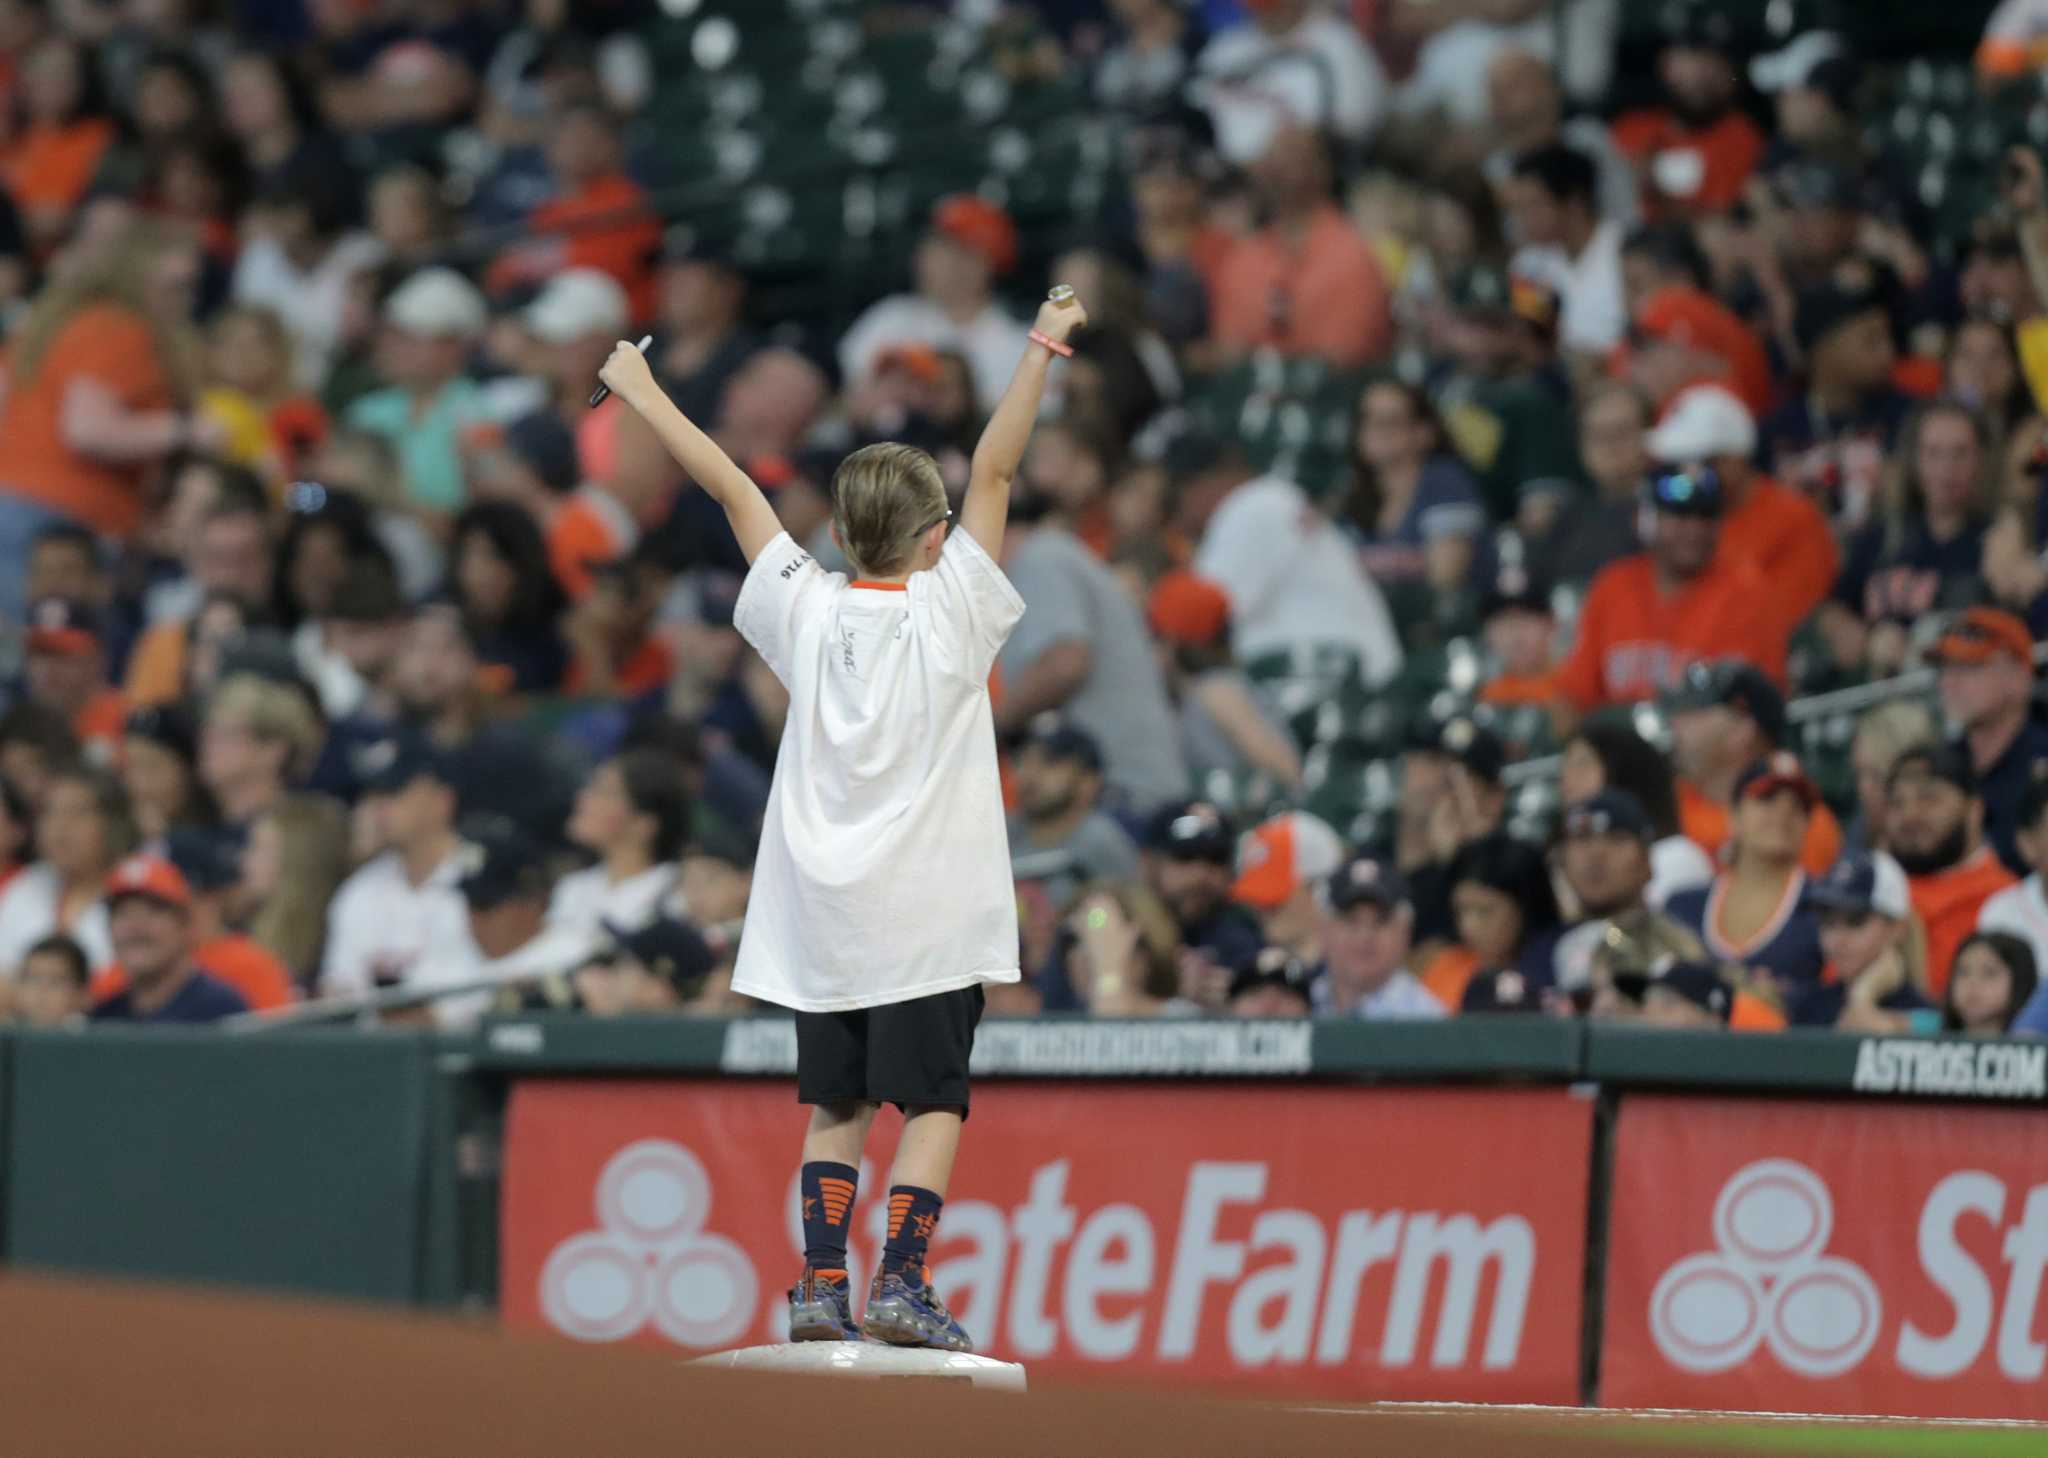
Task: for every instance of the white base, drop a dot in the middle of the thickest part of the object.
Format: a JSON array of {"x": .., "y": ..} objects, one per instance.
[{"x": 871, "y": 1359}]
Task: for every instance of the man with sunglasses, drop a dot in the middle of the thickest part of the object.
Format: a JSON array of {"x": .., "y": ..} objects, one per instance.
[{"x": 1649, "y": 616}]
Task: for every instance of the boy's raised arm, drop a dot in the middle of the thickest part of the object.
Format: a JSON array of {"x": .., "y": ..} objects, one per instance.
[
  {"x": 1001, "y": 448},
  {"x": 753, "y": 520}
]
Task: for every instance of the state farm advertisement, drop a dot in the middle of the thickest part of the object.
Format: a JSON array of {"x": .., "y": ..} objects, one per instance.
[
  {"x": 1814, "y": 1256},
  {"x": 1362, "y": 1243}
]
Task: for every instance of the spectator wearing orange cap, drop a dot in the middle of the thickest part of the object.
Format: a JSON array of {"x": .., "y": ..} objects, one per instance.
[
  {"x": 1684, "y": 336},
  {"x": 1779, "y": 533},
  {"x": 1987, "y": 693},
  {"x": 149, "y": 908},
  {"x": 1224, "y": 724},
  {"x": 1724, "y": 717},
  {"x": 209, "y": 862},
  {"x": 1308, "y": 282},
  {"x": 969, "y": 244},
  {"x": 1281, "y": 864},
  {"x": 67, "y": 673}
]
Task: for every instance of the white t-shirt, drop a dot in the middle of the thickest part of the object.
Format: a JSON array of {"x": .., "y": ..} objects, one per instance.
[
  {"x": 28, "y": 913},
  {"x": 992, "y": 341},
  {"x": 1594, "y": 314},
  {"x": 2023, "y": 911},
  {"x": 1676, "y": 864},
  {"x": 1293, "y": 580},
  {"x": 1320, "y": 74},
  {"x": 884, "y": 869},
  {"x": 586, "y": 900},
  {"x": 417, "y": 936}
]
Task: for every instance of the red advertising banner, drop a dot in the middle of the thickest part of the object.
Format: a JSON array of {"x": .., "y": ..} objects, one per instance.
[
  {"x": 1356, "y": 1243},
  {"x": 1810, "y": 1256}
]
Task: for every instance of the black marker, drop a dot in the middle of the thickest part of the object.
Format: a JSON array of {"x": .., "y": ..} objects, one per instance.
[{"x": 603, "y": 392}]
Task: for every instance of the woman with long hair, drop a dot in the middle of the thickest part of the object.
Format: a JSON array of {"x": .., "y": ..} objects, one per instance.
[
  {"x": 297, "y": 854},
  {"x": 160, "y": 768},
  {"x": 1876, "y": 950},
  {"x": 1606, "y": 753},
  {"x": 633, "y": 815},
  {"x": 1755, "y": 913},
  {"x": 502, "y": 583},
  {"x": 1507, "y": 918},
  {"x": 1413, "y": 507},
  {"x": 1993, "y": 978},
  {"x": 82, "y": 831},
  {"x": 101, "y": 377}
]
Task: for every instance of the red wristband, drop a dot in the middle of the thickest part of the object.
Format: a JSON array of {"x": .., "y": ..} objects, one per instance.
[{"x": 1064, "y": 351}]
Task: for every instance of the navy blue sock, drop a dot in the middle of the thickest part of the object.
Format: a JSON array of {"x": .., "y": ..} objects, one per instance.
[
  {"x": 913, "y": 1216},
  {"x": 828, "y": 1214}
]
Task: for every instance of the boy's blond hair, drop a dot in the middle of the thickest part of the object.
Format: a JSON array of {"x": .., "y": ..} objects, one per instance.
[{"x": 884, "y": 497}]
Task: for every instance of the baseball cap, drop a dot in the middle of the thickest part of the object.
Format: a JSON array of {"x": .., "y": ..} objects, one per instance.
[
  {"x": 1680, "y": 314},
  {"x": 1815, "y": 183},
  {"x": 672, "y": 950},
  {"x": 1702, "y": 422},
  {"x": 1194, "y": 831},
  {"x": 1503, "y": 991},
  {"x": 1982, "y": 634},
  {"x": 1366, "y": 880},
  {"x": 1735, "y": 684},
  {"x": 1686, "y": 493},
  {"x": 1702, "y": 24},
  {"x": 165, "y": 724},
  {"x": 576, "y": 304},
  {"x": 499, "y": 862},
  {"x": 544, "y": 444},
  {"x": 1871, "y": 882},
  {"x": 1777, "y": 771},
  {"x": 1827, "y": 307},
  {"x": 682, "y": 243},
  {"x": 1291, "y": 850},
  {"x": 1474, "y": 746},
  {"x": 61, "y": 625},
  {"x": 150, "y": 876},
  {"x": 1059, "y": 740},
  {"x": 1185, "y": 608},
  {"x": 1273, "y": 967},
  {"x": 438, "y": 303},
  {"x": 1793, "y": 65},
  {"x": 1949, "y": 761},
  {"x": 1514, "y": 587},
  {"x": 976, "y": 223},
  {"x": 207, "y": 859},
  {"x": 1699, "y": 983},
  {"x": 1609, "y": 812},
  {"x": 389, "y": 765}
]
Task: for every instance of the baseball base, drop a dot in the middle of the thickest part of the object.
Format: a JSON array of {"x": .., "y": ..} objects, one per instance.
[{"x": 871, "y": 1360}]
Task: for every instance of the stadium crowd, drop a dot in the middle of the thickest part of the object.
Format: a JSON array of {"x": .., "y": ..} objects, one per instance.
[{"x": 1498, "y": 424}]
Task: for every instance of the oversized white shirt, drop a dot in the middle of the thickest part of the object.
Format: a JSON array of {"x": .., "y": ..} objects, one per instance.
[
  {"x": 416, "y": 936},
  {"x": 884, "y": 868},
  {"x": 28, "y": 913}
]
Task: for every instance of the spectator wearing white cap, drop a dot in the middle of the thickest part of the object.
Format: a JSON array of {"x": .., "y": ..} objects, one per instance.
[
  {"x": 430, "y": 323},
  {"x": 1765, "y": 525},
  {"x": 1281, "y": 864},
  {"x": 575, "y": 320}
]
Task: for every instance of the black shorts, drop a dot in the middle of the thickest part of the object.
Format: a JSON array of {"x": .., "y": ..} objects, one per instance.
[{"x": 911, "y": 1054}]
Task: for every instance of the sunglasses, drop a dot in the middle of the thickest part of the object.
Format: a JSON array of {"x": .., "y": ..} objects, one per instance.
[
  {"x": 946, "y": 515},
  {"x": 1688, "y": 493}
]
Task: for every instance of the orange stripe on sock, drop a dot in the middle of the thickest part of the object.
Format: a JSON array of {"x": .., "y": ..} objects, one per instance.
[
  {"x": 835, "y": 1212},
  {"x": 842, "y": 1188}
]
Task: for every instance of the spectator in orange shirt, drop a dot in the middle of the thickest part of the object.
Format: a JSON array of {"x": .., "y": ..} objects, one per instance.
[
  {"x": 65, "y": 132},
  {"x": 1936, "y": 819},
  {"x": 1726, "y": 716},
  {"x": 613, "y": 651},
  {"x": 605, "y": 518},
  {"x": 67, "y": 674},
  {"x": 1520, "y": 629},
  {"x": 1684, "y": 336},
  {"x": 1697, "y": 150},
  {"x": 1647, "y": 617},
  {"x": 1308, "y": 282},
  {"x": 1777, "y": 532},
  {"x": 208, "y": 860},
  {"x": 598, "y": 218}
]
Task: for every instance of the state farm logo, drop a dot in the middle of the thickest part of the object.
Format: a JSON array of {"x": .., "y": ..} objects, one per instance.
[
  {"x": 650, "y": 1259},
  {"x": 1769, "y": 1282}
]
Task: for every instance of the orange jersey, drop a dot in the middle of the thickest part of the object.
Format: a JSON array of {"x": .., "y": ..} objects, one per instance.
[
  {"x": 1328, "y": 298},
  {"x": 1448, "y": 974},
  {"x": 1704, "y": 822},
  {"x": 1948, "y": 903},
  {"x": 241, "y": 962},
  {"x": 607, "y": 225},
  {"x": 587, "y": 531},
  {"x": 1783, "y": 537},
  {"x": 1635, "y": 640},
  {"x": 1727, "y": 152}
]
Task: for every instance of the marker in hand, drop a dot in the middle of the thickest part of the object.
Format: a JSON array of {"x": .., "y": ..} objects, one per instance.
[{"x": 603, "y": 392}]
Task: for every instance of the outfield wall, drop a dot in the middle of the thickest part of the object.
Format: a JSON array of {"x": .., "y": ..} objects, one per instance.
[{"x": 1484, "y": 1210}]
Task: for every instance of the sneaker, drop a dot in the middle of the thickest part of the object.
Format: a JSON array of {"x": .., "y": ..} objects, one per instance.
[
  {"x": 907, "y": 1315},
  {"x": 821, "y": 1308}
]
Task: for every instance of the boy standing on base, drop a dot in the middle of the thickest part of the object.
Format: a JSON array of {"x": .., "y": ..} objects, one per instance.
[{"x": 882, "y": 896}]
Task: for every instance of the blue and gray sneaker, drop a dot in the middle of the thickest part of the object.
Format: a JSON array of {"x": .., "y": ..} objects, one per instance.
[
  {"x": 907, "y": 1315},
  {"x": 821, "y": 1308}
]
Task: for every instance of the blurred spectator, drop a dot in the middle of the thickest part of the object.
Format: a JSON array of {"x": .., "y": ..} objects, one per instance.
[
  {"x": 614, "y": 651},
  {"x": 1647, "y": 617},
  {"x": 50, "y": 988},
  {"x": 208, "y": 861},
  {"x": 159, "y": 759},
  {"x": 1697, "y": 150},
  {"x": 1875, "y": 978},
  {"x": 1182, "y": 248},
  {"x": 1082, "y": 649},
  {"x": 1605, "y": 857},
  {"x": 1882, "y": 735},
  {"x": 1413, "y": 505},
  {"x": 633, "y": 814},
  {"x": 149, "y": 907},
  {"x": 1995, "y": 978},
  {"x": 258, "y": 738},
  {"x": 1292, "y": 580},
  {"x": 663, "y": 967},
  {"x": 969, "y": 243},
  {"x": 1189, "y": 859},
  {"x": 1368, "y": 922},
  {"x": 573, "y": 323},
  {"x": 1606, "y": 753},
  {"x": 1507, "y": 924},
  {"x": 1283, "y": 864},
  {"x": 1765, "y": 527},
  {"x": 34, "y": 745},
  {"x": 1981, "y": 373},
  {"x": 504, "y": 885},
  {"x": 295, "y": 858},
  {"x": 301, "y": 258},
  {"x": 1550, "y": 194},
  {"x": 1520, "y": 632},
  {"x": 1224, "y": 722},
  {"x": 1935, "y": 815},
  {"x": 1068, "y": 465},
  {"x": 266, "y": 424},
  {"x": 99, "y": 386},
  {"x": 268, "y": 110},
  {"x": 1573, "y": 534},
  {"x": 185, "y": 569},
  {"x": 2022, "y": 910},
  {"x": 1142, "y": 73},
  {"x": 1682, "y": 335},
  {"x": 430, "y": 323},
  {"x": 407, "y": 216},
  {"x": 1289, "y": 65},
  {"x": 507, "y": 597},
  {"x": 67, "y": 674},
  {"x": 328, "y": 540},
  {"x": 58, "y": 138},
  {"x": 1987, "y": 696},
  {"x": 1470, "y": 806},
  {"x": 1831, "y": 439},
  {"x": 1726, "y": 716},
  {"x": 700, "y": 307},
  {"x": 348, "y": 651},
  {"x": 1308, "y": 281},
  {"x": 1060, "y": 840},
  {"x": 1118, "y": 954},
  {"x": 229, "y": 559},
  {"x": 83, "y": 827},
  {"x": 1504, "y": 400},
  {"x": 1753, "y": 914},
  {"x": 1692, "y": 996},
  {"x": 598, "y": 217},
  {"x": 1276, "y": 985},
  {"x": 1526, "y": 110}
]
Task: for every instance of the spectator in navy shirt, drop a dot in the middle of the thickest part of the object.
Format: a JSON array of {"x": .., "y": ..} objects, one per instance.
[
  {"x": 1413, "y": 506},
  {"x": 150, "y": 911},
  {"x": 1754, "y": 913},
  {"x": 1987, "y": 693},
  {"x": 1875, "y": 980}
]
